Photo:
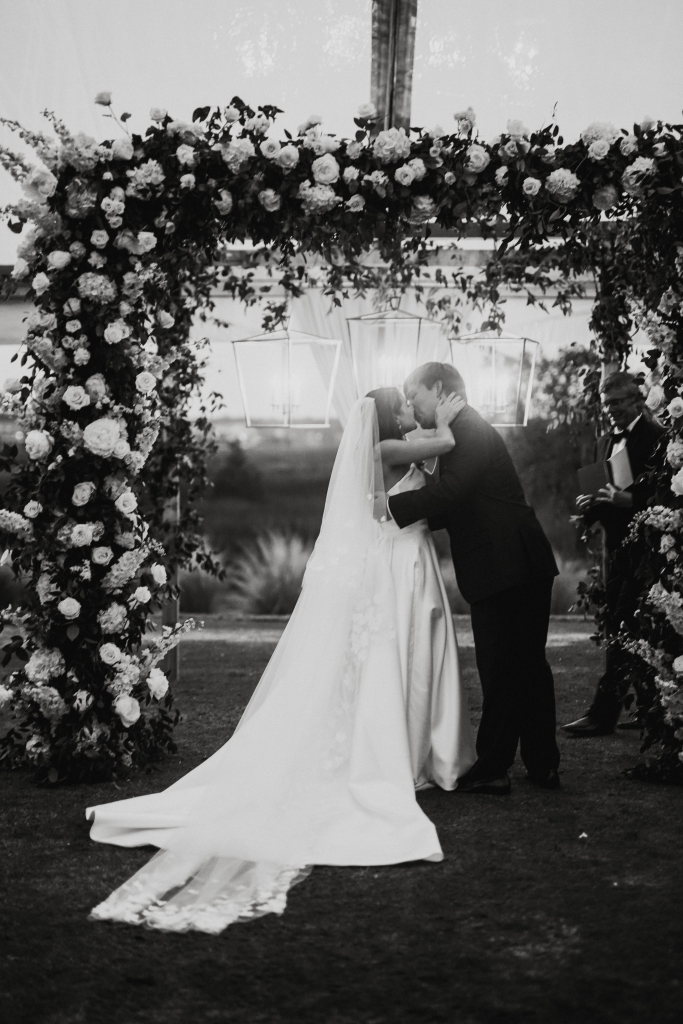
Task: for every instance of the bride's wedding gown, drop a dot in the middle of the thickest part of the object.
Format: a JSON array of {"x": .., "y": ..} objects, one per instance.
[{"x": 360, "y": 704}]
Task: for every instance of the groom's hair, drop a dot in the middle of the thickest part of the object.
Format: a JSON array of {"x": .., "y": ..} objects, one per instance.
[
  {"x": 429, "y": 373},
  {"x": 387, "y": 406}
]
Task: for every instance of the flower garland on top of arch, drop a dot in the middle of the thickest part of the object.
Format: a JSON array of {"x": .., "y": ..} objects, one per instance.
[{"x": 122, "y": 249}]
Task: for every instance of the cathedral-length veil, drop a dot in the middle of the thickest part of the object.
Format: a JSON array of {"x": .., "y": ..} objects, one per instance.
[{"x": 318, "y": 769}]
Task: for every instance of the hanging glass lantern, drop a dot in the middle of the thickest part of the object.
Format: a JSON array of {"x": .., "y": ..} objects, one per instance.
[
  {"x": 387, "y": 346},
  {"x": 287, "y": 378},
  {"x": 498, "y": 369}
]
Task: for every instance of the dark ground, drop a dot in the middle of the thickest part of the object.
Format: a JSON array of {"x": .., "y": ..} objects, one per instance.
[{"x": 522, "y": 922}]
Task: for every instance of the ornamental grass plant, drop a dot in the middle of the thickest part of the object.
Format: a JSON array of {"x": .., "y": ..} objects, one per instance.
[{"x": 266, "y": 578}]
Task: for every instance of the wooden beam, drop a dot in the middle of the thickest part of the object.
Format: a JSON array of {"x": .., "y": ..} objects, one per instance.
[{"x": 393, "y": 53}]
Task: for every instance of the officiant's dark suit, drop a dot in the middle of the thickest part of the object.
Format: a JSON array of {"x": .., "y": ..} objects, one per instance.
[
  {"x": 621, "y": 585},
  {"x": 504, "y": 567}
]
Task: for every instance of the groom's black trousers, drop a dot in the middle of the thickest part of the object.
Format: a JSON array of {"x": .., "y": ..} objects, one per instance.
[{"x": 510, "y": 633}]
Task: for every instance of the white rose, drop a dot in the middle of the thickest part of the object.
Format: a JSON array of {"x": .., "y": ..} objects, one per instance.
[
  {"x": 188, "y": 181},
  {"x": 128, "y": 710},
  {"x": 404, "y": 175},
  {"x": 270, "y": 200},
  {"x": 76, "y": 397},
  {"x": 287, "y": 157},
  {"x": 517, "y": 129},
  {"x": 83, "y": 492},
  {"x": 121, "y": 449},
  {"x": 81, "y": 535},
  {"x": 39, "y": 185},
  {"x": 270, "y": 148},
  {"x": 143, "y": 595},
  {"x": 58, "y": 259},
  {"x": 224, "y": 204},
  {"x": 675, "y": 407},
  {"x": 418, "y": 167},
  {"x": 477, "y": 159},
  {"x": 103, "y": 98},
  {"x": 38, "y": 444},
  {"x": 95, "y": 386},
  {"x": 40, "y": 283},
  {"x": 32, "y": 509},
  {"x": 69, "y": 607},
  {"x": 647, "y": 123},
  {"x": 599, "y": 149},
  {"x": 353, "y": 150},
  {"x": 367, "y": 110},
  {"x": 501, "y": 175},
  {"x": 165, "y": 320},
  {"x": 231, "y": 114},
  {"x": 311, "y": 121},
  {"x": 677, "y": 483},
  {"x": 185, "y": 155},
  {"x": 110, "y": 654},
  {"x": 102, "y": 555},
  {"x": 20, "y": 269},
  {"x": 157, "y": 683},
  {"x": 99, "y": 239},
  {"x": 158, "y": 113},
  {"x": 629, "y": 144},
  {"x": 12, "y": 385},
  {"x": 351, "y": 174},
  {"x": 145, "y": 382},
  {"x": 100, "y": 436},
  {"x": 678, "y": 665},
  {"x": 122, "y": 149},
  {"x": 126, "y": 503},
  {"x": 531, "y": 186},
  {"x": 325, "y": 169},
  {"x": 158, "y": 572},
  {"x": 116, "y": 331}
]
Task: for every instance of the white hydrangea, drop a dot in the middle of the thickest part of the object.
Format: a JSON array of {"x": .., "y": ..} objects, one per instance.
[
  {"x": 44, "y": 664},
  {"x": 113, "y": 619},
  {"x": 562, "y": 184}
]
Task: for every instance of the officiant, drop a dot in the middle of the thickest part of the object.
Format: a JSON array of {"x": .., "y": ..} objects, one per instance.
[{"x": 637, "y": 431}]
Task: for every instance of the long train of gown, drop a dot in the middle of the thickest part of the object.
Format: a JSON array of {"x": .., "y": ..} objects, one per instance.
[{"x": 324, "y": 764}]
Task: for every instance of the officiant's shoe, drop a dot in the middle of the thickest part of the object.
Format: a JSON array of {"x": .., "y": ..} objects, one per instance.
[
  {"x": 546, "y": 780},
  {"x": 586, "y": 726},
  {"x": 493, "y": 787}
]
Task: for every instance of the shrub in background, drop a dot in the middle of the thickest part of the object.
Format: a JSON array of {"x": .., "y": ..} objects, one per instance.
[{"x": 266, "y": 578}]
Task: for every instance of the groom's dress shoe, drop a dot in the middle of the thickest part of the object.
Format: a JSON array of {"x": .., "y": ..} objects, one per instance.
[
  {"x": 493, "y": 787},
  {"x": 546, "y": 780},
  {"x": 586, "y": 726}
]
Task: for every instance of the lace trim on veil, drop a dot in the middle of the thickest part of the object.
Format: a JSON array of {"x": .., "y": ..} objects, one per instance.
[{"x": 176, "y": 892}]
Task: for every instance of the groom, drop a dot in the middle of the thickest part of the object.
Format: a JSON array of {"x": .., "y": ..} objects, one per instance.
[{"x": 505, "y": 568}]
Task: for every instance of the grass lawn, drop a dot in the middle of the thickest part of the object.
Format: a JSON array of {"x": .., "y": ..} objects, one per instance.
[{"x": 522, "y": 922}]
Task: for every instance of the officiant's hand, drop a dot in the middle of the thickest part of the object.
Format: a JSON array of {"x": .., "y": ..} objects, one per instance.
[
  {"x": 612, "y": 494},
  {"x": 448, "y": 408}
]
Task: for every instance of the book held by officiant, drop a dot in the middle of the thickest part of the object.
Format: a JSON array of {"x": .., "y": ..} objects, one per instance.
[{"x": 616, "y": 471}]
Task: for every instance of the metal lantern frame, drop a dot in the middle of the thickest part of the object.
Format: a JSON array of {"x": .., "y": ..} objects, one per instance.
[
  {"x": 392, "y": 316},
  {"x": 497, "y": 341},
  {"x": 289, "y": 339}
]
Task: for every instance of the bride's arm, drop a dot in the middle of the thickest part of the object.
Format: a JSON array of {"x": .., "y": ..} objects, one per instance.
[{"x": 402, "y": 453}]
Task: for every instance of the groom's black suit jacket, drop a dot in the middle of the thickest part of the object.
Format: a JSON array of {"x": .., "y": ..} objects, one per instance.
[{"x": 496, "y": 540}]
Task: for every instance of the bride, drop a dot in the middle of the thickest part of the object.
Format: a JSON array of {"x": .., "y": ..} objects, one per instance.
[{"x": 360, "y": 705}]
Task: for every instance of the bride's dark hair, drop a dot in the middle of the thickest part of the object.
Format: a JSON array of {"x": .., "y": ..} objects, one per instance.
[{"x": 388, "y": 404}]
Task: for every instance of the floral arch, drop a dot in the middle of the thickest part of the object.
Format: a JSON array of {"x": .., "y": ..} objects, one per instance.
[{"x": 123, "y": 248}]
